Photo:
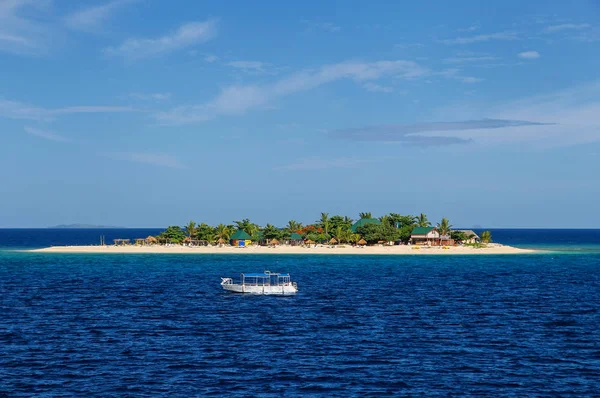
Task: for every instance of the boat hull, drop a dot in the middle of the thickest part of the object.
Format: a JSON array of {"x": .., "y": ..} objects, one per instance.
[{"x": 266, "y": 290}]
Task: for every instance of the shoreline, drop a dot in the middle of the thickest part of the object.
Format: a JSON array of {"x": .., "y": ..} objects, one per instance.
[{"x": 492, "y": 249}]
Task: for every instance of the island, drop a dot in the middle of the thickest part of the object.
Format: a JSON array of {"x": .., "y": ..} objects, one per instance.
[{"x": 389, "y": 234}]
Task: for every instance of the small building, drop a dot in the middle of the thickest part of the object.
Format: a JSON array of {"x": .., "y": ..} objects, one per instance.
[
  {"x": 471, "y": 236},
  {"x": 295, "y": 239},
  {"x": 240, "y": 238},
  {"x": 364, "y": 221},
  {"x": 425, "y": 236}
]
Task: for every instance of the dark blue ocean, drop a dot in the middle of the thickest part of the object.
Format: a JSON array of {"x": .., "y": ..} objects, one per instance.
[{"x": 160, "y": 325}]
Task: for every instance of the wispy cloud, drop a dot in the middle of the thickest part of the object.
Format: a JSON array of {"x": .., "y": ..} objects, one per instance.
[
  {"x": 529, "y": 55},
  {"x": 186, "y": 35},
  {"x": 45, "y": 134},
  {"x": 471, "y": 28},
  {"x": 566, "y": 26},
  {"x": 19, "y": 110},
  {"x": 239, "y": 99},
  {"x": 508, "y": 35},
  {"x": 418, "y": 134},
  {"x": 454, "y": 73},
  {"x": 22, "y": 35},
  {"x": 317, "y": 163},
  {"x": 469, "y": 59},
  {"x": 92, "y": 18},
  {"x": 155, "y": 159},
  {"x": 322, "y": 26},
  {"x": 151, "y": 96},
  {"x": 211, "y": 58},
  {"x": 249, "y": 66},
  {"x": 376, "y": 88}
]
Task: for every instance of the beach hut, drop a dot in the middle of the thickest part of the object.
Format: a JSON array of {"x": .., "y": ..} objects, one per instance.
[
  {"x": 240, "y": 238},
  {"x": 274, "y": 242},
  {"x": 361, "y": 242},
  {"x": 428, "y": 236},
  {"x": 364, "y": 221},
  {"x": 471, "y": 236},
  {"x": 310, "y": 242},
  {"x": 332, "y": 241},
  {"x": 295, "y": 239}
]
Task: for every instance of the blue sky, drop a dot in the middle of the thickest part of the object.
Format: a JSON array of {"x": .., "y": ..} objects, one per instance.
[{"x": 148, "y": 113}]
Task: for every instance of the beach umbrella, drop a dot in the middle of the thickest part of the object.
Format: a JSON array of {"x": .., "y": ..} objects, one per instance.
[
  {"x": 221, "y": 241},
  {"x": 362, "y": 242},
  {"x": 151, "y": 239},
  {"x": 309, "y": 242},
  {"x": 332, "y": 241},
  {"x": 274, "y": 242}
]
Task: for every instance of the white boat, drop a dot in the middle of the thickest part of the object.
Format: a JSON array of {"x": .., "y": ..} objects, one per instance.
[{"x": 265, "y": 283}]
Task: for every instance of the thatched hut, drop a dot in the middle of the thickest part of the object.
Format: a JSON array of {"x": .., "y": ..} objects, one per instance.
[
  {"x": 151, "y": 240},
  {"x": 310, "y": 242},
  {"x": 361, "y": 242},
  {"x": 274, "y": 242},
  {"x": 221, "y": 241},
  {"x": 332, "y": 241}
]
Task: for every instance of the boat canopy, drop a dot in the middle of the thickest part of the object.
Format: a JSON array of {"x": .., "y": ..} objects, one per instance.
[{"x": 265, "y": 275}]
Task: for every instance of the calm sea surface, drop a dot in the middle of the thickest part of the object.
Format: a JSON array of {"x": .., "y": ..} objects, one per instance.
[{"x": 160, "y": 325}]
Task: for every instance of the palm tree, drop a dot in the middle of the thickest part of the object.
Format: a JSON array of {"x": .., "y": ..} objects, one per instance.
[
  {"x": 222, "y": 232},
  {"x": 348, "y": 221},
  {"x": 422, "y": 221},
  {"x": 486, "y": 236},
  {"x": 190, "y": 229},
  {"x": 444, "y": 227},
  {"x": 324, "y": 222},
  {"x": 365, "y": 215},
  {"x": 342, "y": 234},
  {"x": 294, "y": 226},
  {"x": 249, "y": 227}
]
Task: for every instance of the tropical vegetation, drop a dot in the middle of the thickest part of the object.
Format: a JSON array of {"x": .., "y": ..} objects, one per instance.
[{"x": 392, "y": 227}]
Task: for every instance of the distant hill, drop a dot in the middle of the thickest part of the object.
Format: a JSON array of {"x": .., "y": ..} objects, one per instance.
[{"x": 81, "y": 226}]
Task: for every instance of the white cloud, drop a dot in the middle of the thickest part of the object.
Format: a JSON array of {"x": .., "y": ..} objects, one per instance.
[
  {"x": 90, "y": 19},
  {"x": 469, "y": 79},
  {"x": 211, "y": 58},
  {"x": 253, "y": 66},
  {"x": 19, "y": 110},
  {"x": 376, "y": 88},
  {"x": 566, "y": 26},
  {"x": 155, "y": 159},
  {"x": 529, "y": 55},
  {"x": 481, "y": 38},
  {"x": 472, "y": 59},
  {"x": 239, "y": 99},
  {"x": 574, "y": 114},
  {"x": 316, "y": 163},
  {"x": 151, "y": 96},
  {"x": 186, "y": 35},
  {"x": 25, "y": 36},
  {"x": 45, "y": 134}
]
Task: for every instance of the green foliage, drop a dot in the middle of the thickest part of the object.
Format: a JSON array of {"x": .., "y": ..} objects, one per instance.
[
  {"x": 444, "y": 227},
  {"x": 293, "y": 226},
  {"x": 372, "y": 233},
  {"x": 190, "y": 229},
  {"x": 247, "y": 226},
  {"x": 272, "y": 232},
  {"x": 324, "y": 222},
  {"x": 342, "y": 233},
  {"x": 422, "y": 221},
  {"x": 205, "y": 232},
  {"x": 223, "y": 232},
  {"x": 339, "y": 221},
  {"x": 458, "y": 236},
  {"x": 173, "y": 234},
  {"x": 486, "y": 237},
  {"x": 365, "y": 215}
]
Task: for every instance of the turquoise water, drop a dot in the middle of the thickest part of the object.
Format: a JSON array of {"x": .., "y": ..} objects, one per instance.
[{"x": 148, "y": 325}]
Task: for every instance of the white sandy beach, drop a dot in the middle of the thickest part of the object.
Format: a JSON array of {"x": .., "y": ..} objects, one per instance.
[{"x": 319, "y": 249}]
